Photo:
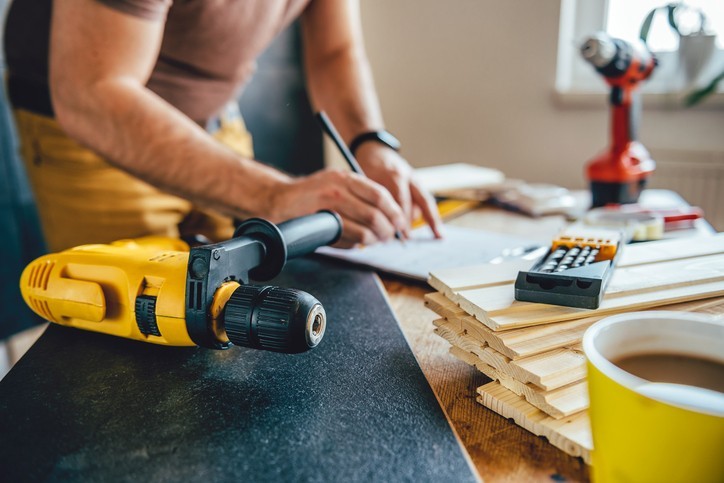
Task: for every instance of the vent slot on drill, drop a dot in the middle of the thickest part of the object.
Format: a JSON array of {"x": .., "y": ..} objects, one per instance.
[
  {"x": 40, "y": 274},
  {"x": 41, "y": 308},
  {"x": 195, "y": 295}
]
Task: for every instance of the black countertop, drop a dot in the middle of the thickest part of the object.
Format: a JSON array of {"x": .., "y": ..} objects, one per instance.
[{"x": 85, "y": 406}]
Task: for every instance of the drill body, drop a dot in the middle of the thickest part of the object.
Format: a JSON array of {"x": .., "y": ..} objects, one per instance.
[
  {"x": 157, "y": 290},
  {"x": 619, "y": 174}
]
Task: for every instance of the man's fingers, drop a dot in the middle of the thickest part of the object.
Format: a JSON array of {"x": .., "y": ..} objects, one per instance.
[
  {"x": 403, "y": 196},
  {"x": 426, "y": 203},
  {"x": 377, "y": 196}
]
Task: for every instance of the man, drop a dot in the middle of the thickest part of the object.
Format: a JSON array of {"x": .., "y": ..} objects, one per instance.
[{"x": 134, "y": 81}]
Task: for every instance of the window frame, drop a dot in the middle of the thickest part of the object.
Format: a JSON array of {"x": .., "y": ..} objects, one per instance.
[{"x": 576, "y": 78}]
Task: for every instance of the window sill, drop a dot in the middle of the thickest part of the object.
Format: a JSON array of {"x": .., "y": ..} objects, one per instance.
[{"x": 579, "y": 99}]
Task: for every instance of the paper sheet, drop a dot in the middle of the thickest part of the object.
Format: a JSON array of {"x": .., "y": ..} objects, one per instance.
[
  {"x": 449, "y": 177},
  {"x": 423, "y": 253}
]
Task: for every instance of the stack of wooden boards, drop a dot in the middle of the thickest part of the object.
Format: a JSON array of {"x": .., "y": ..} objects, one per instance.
[{"x": 532, "y": 352}]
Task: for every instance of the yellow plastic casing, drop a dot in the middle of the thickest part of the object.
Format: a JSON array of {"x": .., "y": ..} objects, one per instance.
[
  {"x": 94, "y": 287},
  {"x": 607, "y": 246},
  {"x": 664, "y": 436},
  {"x": 639, "y": 439}
]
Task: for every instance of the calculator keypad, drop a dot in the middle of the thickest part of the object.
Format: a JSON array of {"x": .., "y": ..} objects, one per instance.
[{"x": 563, "y": 258}]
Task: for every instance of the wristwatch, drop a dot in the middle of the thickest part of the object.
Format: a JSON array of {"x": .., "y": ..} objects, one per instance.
[{"x": 382, "y": 137}]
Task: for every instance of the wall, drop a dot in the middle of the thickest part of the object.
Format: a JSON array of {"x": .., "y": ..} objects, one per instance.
[
  {"x": 276, "y": 109},
  {"x": 473, "y": 81}
]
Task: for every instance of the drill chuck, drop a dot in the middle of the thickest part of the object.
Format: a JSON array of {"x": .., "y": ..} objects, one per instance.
[
  {"x": 599, "y": 50},
  {"x": 274, "y": 318}
]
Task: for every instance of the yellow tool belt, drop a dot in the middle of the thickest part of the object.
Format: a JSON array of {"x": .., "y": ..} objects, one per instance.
[{"x": 83, "y": 199}]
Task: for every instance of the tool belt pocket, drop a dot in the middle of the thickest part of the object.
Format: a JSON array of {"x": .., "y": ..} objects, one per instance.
[{"x": 45, "y": 144}]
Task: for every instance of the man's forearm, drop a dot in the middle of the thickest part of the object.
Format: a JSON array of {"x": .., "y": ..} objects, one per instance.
[
  {"x": 140, "y": 133},
  {"x": 339, "y": 77},
  {"x": 343, "y": 87}
]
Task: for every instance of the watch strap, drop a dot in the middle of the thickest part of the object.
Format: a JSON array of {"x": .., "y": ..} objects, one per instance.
[{"x": 382, "y": 137}]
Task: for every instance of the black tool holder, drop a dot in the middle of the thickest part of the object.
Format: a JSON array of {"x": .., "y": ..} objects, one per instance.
[{"x": 258, "y": 250}]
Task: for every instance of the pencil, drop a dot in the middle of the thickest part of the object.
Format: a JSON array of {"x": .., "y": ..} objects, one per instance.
[{"x": 331, "y": 131}]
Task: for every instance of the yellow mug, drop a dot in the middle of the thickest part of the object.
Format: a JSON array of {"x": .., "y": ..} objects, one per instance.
[{"x": 646, "y": 431}]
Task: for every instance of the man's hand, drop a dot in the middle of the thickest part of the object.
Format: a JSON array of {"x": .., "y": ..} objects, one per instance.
[
  {"x": 340, "y": 83},
  {"x": 369, "y": 212},
  {"x": 385, "y": 166}
]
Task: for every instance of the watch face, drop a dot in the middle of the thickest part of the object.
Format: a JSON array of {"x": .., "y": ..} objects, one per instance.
[{"x": 389, "y": 140}]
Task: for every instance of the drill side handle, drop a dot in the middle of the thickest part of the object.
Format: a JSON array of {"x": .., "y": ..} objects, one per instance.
[
  {"x": 258, "y": 250},
  {"x": 306, "y": 234},
  {"x": 291, "y": 239}
]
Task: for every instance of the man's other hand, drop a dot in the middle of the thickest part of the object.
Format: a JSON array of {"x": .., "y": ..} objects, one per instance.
[{"x": 385, "y": 166}]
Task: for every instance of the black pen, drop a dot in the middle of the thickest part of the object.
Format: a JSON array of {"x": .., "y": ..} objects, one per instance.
[{"x": 346, "y": 153}]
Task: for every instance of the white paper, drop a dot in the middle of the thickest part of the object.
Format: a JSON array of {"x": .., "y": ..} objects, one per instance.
[
  {"x": 448, "y": 177},
  {"x": 417, "y": 257}
]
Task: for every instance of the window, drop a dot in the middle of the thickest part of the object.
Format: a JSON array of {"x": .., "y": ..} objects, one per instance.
[{"x": 623, "y": 19}]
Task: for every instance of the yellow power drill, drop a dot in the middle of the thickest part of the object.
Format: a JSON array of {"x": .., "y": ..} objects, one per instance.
[{"x": 155, "y": 289}]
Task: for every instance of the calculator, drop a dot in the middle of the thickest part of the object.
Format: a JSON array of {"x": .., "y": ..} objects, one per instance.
[{"x": 574, "y": 272}]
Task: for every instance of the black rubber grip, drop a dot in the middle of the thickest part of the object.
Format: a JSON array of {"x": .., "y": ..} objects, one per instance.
[{"x": 305, "y": 234}]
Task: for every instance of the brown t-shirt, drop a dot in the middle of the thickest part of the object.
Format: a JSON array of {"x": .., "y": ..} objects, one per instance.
[{"x": 208, "y": 51}]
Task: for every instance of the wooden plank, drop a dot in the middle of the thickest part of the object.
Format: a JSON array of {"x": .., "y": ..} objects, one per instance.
[
  {"x": 559, "y": 403},
  {"x": 516, "y": 343},
  {"x": 674, "y": 249},
  {"x": 546, "y": 314},
  {"x": 496, "y": 445},
  {"x": 493, "y": 301},
  {"x": 443, "y": 307},
  {"x": 553, "y": 369},
  {"x": 548, "y": 371},
  {"x": 572, "y": 434},
  {"x": 528, "y": 341},
  {"x": 451, "y": 281}
]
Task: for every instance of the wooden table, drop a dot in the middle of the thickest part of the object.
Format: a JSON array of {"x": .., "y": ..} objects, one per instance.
[{"x": 498, "y": 448}]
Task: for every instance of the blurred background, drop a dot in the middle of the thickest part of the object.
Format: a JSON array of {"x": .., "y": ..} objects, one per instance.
[{"x": 502, "y": 84}]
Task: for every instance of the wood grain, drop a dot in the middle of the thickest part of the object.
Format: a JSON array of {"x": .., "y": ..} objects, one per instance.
[
  {"x": 490, "y": 302},
  {"x": 500, "y": 450},
  {"x": 558, "y": 403},
  {"x": 546, "y": 314},
  {"x": 453, "y": 280},
  {"x": 528, "y": 341},
  {"x": 548, "y": 371},
  {"x": 572, "y": 434}
]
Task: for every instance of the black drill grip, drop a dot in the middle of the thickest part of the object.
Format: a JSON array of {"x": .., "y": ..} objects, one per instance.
[
  {"x": 305, "y": 234},
  {"x": 290, "y": 239}
]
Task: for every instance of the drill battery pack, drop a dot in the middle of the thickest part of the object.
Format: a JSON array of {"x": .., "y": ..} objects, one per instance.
[{"x": 574, "y": 272}]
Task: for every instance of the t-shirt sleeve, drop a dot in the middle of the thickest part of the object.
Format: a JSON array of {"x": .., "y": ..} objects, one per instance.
[{"x": 148, "y": 9}]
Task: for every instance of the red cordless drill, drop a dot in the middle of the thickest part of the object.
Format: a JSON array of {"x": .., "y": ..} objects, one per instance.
[{"x": 619, "y": 174}]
